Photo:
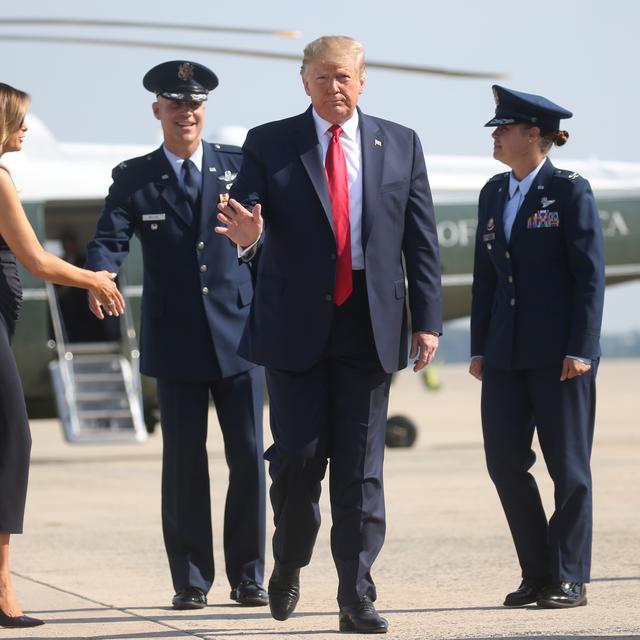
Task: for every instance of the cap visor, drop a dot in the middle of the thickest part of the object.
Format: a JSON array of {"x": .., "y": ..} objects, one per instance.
[{"x": 496, "y": 122}]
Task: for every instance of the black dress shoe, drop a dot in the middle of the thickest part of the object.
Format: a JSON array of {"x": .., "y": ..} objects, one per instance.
[
  {"x": 563, "y": 595},
  {"x": 284, "y": 593},
  {"x": 527, "y": 593},
  {"x": 189, "y": 598},
  {"x": 362, "y": 618},
  {"x": 250, "y": 594},
  {"x": 18, "y": 622}
]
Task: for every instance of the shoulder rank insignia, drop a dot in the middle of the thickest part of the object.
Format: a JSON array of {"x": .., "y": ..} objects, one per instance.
[{"x": 569, "y": 175}]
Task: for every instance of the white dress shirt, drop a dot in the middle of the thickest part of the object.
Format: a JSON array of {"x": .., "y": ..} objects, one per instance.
[{"x": 350, "y": 141}]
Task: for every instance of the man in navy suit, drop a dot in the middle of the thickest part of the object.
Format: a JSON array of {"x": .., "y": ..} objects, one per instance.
[
  {"x": 194, "y": 306},
  {"x": 538, "y": 291},
  {"x": 344, "y": 197}
]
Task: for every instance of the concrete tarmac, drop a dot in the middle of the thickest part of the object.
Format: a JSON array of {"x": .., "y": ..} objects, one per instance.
[{"x": 92, "y": 563}]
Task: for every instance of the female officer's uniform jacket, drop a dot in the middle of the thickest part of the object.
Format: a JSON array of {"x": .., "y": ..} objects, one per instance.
[{"x": 538, "y": 297}]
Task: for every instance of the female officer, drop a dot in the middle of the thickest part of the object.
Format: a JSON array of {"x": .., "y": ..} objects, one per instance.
[
  {"x": 17, "y": 239},
  {"x": 538, "y": 291}
]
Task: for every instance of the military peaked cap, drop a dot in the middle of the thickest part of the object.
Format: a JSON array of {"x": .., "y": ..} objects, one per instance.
[
  {"x": 181, "y": 80},
  {"x": 516, "y": 106}
]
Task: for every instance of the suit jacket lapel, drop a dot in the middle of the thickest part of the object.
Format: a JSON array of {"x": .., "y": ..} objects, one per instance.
[
  {"x": 306, "y": 141},
  {"x": 372, "y": 146},
  {"x": 169, "y": 189},
  {"x": 531, "y": 202}
]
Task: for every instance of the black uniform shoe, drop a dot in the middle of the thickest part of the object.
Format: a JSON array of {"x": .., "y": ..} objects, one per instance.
[
  {"x": 362, "y": 618},
  {"x": 18, "y": 622},
  {"x": 284, "y": 593},
  {"x": 527, "y": 593},
  {"x": 189, "y": 598},
  {"x": 563, "y": 595},
  {"x": 250, "y": 594}
]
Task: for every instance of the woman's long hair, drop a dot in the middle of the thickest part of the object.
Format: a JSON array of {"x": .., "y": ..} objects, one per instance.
[{"x": 13, "y": 109}]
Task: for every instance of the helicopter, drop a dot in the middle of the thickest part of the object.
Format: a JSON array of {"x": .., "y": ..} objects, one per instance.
[{"x": 57, "y": 206}]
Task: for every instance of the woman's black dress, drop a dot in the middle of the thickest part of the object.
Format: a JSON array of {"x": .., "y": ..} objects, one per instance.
[{"x": 15, "y": 437}]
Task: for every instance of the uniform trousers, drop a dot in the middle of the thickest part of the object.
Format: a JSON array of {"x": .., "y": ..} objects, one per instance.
[
  {"x": 15, "y": 439},
  {"x": 514, "y": 404},
  {"x": 186, "y": 501},
  {"x": 335, "y": 412}
]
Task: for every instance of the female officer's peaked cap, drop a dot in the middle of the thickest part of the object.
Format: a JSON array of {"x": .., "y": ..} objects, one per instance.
[{"x": 516, "y": 106}]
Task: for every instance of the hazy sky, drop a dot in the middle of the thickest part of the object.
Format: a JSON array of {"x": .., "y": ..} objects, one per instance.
[{"x": 579, "y": 53}]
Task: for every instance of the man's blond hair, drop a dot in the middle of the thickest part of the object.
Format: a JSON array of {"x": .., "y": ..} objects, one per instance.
[
  {"x": 334, "y": 49},
  {"x": 13, "y": 108}
]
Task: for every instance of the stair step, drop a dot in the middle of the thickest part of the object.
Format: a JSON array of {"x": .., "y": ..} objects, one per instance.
[
  {"x": 98, "y": 377},
  {"x": 90, "y": 348},
  {"x": 89, "y": 414},
  {"x": 95, "y": 396}
]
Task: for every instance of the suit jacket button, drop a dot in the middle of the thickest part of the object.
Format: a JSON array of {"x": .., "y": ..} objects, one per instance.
[
  {"x": 205, "y": 290},
  {"x": 328, "y": 297},
  {"x": 203, "y": 268},
  {"x": 200, "y": 246}
]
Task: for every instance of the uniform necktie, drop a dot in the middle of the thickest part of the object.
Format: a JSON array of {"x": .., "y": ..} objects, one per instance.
[
  {"x": 511, "y": 211},
  {"x": 336, "y": 169},
  {"x": 190, "y": 181}
]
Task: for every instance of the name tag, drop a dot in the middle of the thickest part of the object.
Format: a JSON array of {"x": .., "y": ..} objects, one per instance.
[
  {"x": 153, "y": 217},
  {"x": 488, "y": 236}
]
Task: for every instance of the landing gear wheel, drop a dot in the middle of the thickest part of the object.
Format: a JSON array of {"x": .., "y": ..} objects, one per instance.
[{"x": 401, "y": 432}]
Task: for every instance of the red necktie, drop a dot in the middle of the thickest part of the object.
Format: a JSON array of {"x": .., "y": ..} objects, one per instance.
[{"x": 336, "y": 168}]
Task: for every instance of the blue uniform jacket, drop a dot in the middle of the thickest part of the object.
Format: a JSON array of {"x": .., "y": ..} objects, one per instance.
[
  {"x": 293, "y": 307},
  {"x": 195, "y": 296},
  {"x": 539, "y": 297}
]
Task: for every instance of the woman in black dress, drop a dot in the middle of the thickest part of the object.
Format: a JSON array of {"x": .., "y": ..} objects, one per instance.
[{"x": 18, "y": 240}]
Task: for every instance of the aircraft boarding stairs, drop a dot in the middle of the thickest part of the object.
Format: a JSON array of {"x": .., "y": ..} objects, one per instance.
[{"x": 97, "y": 385}]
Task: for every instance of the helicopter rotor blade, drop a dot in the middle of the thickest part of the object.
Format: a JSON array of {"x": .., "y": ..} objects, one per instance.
[
  {"x": 250, "y": 53},
  {"x": 77, "y": 22}
]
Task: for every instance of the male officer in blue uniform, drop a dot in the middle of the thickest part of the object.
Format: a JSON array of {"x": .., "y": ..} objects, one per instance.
[
  {"x": 195, "y": 302},
  {"x": 538, "y": 293}
]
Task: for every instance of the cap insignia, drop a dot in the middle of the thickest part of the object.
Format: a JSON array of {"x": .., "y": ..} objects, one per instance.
[{"x": 185, "y": 71}]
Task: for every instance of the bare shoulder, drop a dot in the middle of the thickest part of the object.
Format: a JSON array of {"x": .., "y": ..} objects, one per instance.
[
  {"x": 6, "y": 181},
  {"x": 7, "y": 186}
]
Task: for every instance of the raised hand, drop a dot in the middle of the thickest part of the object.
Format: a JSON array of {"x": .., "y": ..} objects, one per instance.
[{"x": 241, "y": 226}]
